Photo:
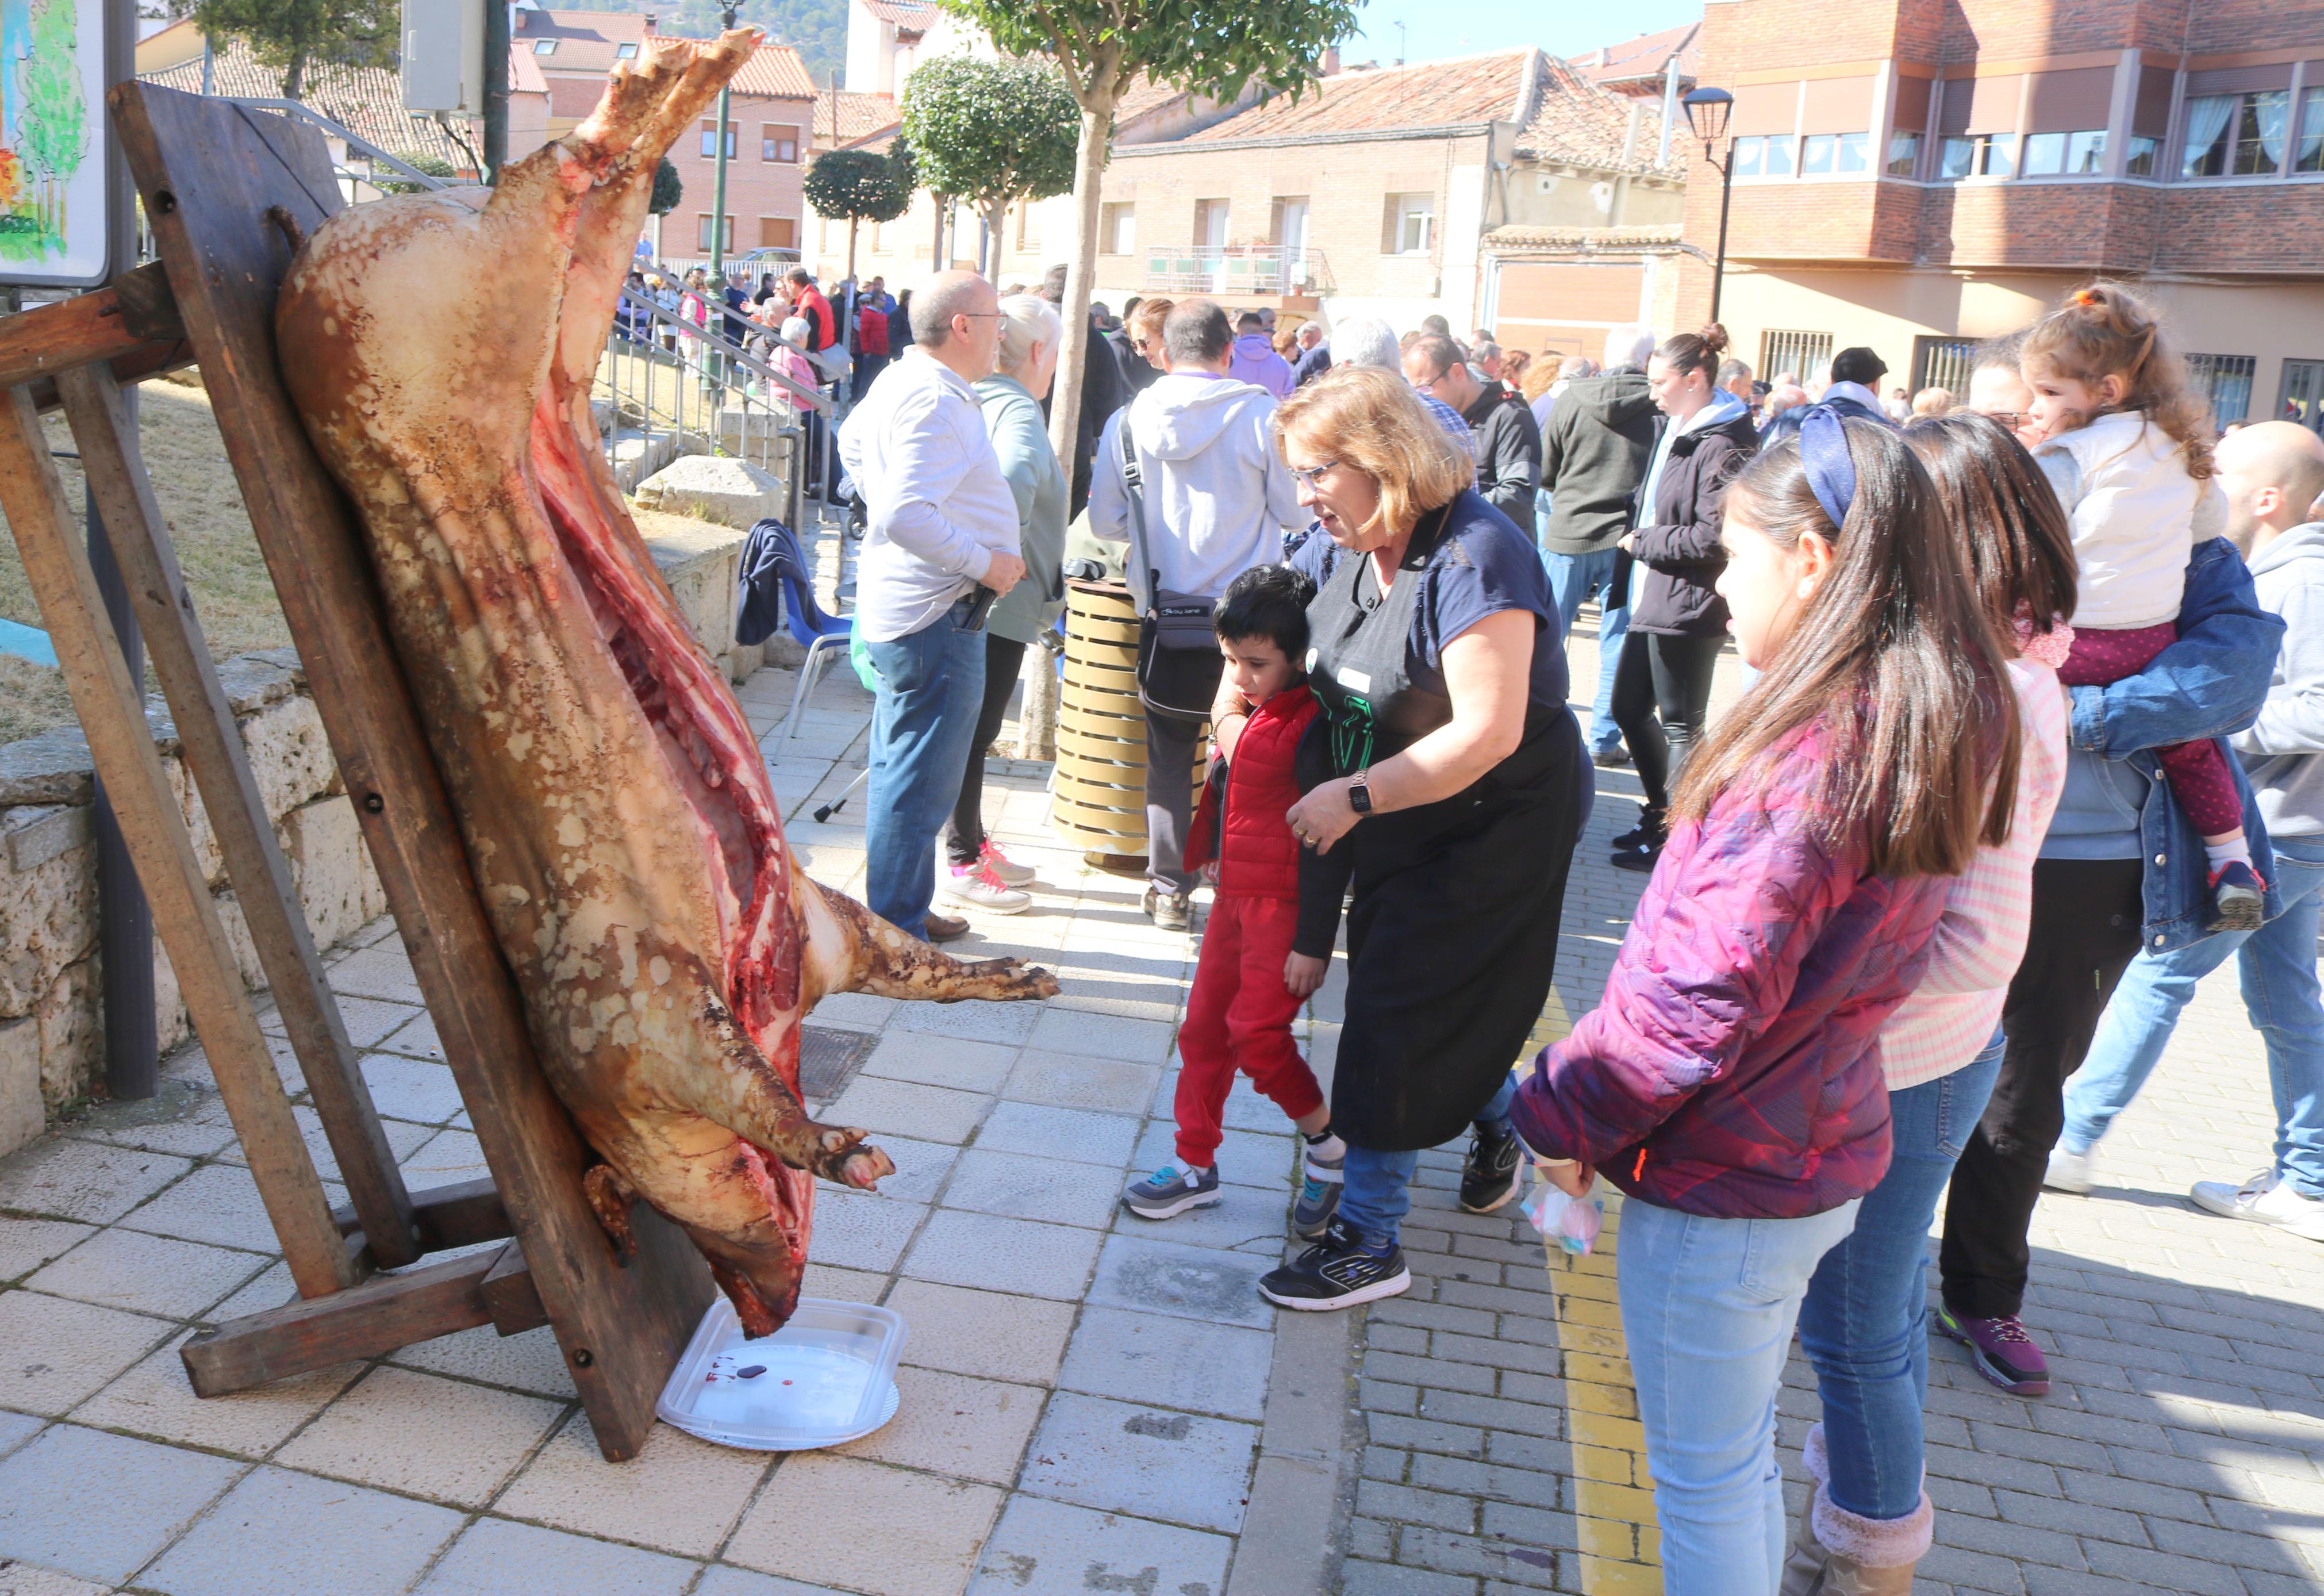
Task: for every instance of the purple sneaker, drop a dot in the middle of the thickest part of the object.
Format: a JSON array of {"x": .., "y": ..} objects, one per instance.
[{"x": 2001, "y": 1350}]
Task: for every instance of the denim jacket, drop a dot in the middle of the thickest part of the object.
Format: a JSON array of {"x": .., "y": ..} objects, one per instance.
[{"x": 2210, "y": 683}]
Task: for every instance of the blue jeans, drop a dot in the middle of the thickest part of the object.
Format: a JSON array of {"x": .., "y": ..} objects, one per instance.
[
  {"x": 2278, "y": 964},
  {"x": 923, "y": 720},
  {"x": 1865, "y": 1323},
  {"x": 1573, "y": 577},
  {"x": 1378, "y": 1192},
  {"x": 1708, "y": 1306}
]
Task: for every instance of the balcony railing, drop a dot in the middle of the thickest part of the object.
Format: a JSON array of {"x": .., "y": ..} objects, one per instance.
[{"x": 1237, "y": 269}]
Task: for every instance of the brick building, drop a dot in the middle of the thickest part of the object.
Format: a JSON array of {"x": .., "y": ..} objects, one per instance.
[
  {"x": 770, "y": 118},
  {"x": 1919, "y": 174}
]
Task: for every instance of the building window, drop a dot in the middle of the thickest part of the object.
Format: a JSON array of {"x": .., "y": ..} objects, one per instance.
[
  {"x": 777, "y": 232},
  {"x": 1286, "y": 226},
  {"x": 1904, "y": 154},
  {"x": 1764, "y": 155},
  {"x": 1117, "y": 229},
  {"x": 2142, "y": 155},
  {"x": 2065, "y": 154},
  {"x": 1829, "y": 154},
  {"x": 710, "y": 139},
  {"x": 702, "y": 234},
  {"x": 1210, "y": 223},
  {"x": 778, "y": 143},
  {"x": 1976, "y": 155},
  {"x": 1411, "y": 223},
  {"x": 544, "y": 47},
  {"x": 1943, "y": 362},
  {"x": 2303, "y": 394},
  {"x": 626, "y": 52},
  {"x": 2235, "y": 135},
  {"x": 2226, "y": 379},
  {"x": 2308, "y": 156},
  {"x": 1793, "y": 354}
]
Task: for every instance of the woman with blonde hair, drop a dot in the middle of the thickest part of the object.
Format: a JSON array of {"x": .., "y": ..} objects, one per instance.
[{"x": 1443, "y": 778}]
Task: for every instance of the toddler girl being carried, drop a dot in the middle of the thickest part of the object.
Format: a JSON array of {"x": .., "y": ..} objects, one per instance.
[{"x": 2126, "y": 443}]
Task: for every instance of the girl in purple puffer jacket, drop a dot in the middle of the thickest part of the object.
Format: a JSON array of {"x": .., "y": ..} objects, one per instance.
[{"x": 1727, "y": 1082}]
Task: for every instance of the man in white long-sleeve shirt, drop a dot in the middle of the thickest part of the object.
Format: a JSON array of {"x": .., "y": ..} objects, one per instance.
[
  {"x": 1218, "y": 498},
  {"x": 943, "y": 522}
]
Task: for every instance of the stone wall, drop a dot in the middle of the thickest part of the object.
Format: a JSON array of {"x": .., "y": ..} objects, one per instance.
[{"x": 51, "y": 1029}]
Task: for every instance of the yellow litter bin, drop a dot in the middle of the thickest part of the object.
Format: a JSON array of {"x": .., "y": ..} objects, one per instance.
[{"x": 1098, "y": 798}]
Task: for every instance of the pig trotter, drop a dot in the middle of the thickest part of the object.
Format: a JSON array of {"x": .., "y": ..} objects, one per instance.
[{"x": 610, "y": 1197}]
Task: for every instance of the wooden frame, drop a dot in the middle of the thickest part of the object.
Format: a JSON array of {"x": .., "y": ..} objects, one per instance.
[{"x": 229, "y": 192}]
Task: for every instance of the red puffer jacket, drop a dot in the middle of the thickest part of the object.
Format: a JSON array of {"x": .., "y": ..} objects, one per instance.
[
  {"x": 1259, "y": 856},
  {"x": 1729, "y": 1071}
]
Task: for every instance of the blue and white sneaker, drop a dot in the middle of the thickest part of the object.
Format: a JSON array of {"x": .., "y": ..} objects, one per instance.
[
  {"x": 1320, "y": 1183},
  {"x": 1170, "y": 1191}
]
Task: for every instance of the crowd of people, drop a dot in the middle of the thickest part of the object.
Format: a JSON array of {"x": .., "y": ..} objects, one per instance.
[{"x": 2024, "y": 751}]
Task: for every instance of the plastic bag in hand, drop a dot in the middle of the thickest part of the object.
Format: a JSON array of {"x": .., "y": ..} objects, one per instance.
[{"x": 1571, "y": 1223}]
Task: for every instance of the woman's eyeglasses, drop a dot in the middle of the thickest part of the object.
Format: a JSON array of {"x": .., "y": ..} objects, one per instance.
[{"x": 1306, "y": 477}]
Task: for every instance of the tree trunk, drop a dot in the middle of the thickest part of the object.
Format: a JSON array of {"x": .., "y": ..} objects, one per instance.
[
  {"x": 995, "y": 216},
  {"x": 294, "y": 75},
  {"x": 850, "y": 248},
  {"x": 1081, "y": 273},
  {"x": 1036, "y": 719}
]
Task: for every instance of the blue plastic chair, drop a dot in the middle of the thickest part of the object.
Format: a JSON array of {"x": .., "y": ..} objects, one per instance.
[{"x": 823, "y": 635}]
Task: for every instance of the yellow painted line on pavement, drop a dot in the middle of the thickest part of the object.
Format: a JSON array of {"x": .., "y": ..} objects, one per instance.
[{"x": 1613, "y": 1494}]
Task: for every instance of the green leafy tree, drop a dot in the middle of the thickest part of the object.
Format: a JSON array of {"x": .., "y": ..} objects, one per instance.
[
  {"x": 991, "y": 132},
  {"x": 292, "y": 33},
  {"x": 864, "y": 186},
  {"x": 52, "y": 128},
  {"x": 668, "y": 190},
  {"x": 1208, "y": 47}
]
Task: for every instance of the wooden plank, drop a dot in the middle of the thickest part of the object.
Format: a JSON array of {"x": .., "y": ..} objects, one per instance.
[
  {"x": 114, "y": 322},
  {"x": 447, "y": 1217},
  {"x": 382, "y": 1313},
  {"x": 116, "y": 471},
  {"x": 210, "y": 173},
  {"x": 508, "y": 1295},
  {"x": 112, "y": 712}
]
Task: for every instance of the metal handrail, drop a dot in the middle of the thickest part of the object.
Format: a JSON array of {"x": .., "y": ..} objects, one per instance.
[
  {"x": 402, "y": 169},
  {"x": 718, "y": 343}
]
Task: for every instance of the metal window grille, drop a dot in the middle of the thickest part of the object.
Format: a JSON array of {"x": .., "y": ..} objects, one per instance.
[
  {"x": 2228, "y": 380},
  {"x": 1943, "y": 362},
  {"x": 2302, "y": 400},
  {"x": 1797, "y": 353}
]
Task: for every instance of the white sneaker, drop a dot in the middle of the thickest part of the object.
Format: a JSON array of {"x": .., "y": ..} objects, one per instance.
[
  {"x": 2264, "y": 1199},
  {"x": 977, "y": 887},
  {"x": 2069, "y": 1171},
  {"x": 1009, "y": 872}
]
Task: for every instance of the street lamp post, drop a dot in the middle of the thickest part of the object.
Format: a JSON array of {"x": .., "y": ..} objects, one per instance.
[
  {"x": 718, "y": 205},
  {"x": 1707, "y": 110}
]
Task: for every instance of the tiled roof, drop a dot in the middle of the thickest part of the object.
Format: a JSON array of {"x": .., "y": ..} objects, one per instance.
[
  {"x": 859, "y": 116},
  {"x": 913, "y": 16},
  {"x": 775, "y": 70},
  {"x": 586, "y": 40},
  {"x": 1575, "y": 120},
  {"x": 1638, "y": 65},
  {"x": 366, "y": 100},
  {"x": 1143, "y": 96},
  {"x": 1424, "y": 95},
  {"x": 524, "y": 74}
]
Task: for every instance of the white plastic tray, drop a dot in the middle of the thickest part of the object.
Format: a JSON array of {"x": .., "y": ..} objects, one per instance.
[{"x": 827, "y": 1376}]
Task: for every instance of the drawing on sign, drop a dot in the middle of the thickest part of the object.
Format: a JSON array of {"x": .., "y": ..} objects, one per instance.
[{"x": 45, "y": 133}]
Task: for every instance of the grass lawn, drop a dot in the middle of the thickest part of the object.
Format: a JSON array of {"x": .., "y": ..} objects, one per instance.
[{"x": 187, "y": 460}]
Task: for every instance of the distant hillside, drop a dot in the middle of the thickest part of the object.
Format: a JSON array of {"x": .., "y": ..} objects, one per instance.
[{"x": 817, "y": 28}]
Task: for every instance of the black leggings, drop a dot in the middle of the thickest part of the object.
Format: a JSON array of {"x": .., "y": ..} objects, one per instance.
[
  {"x": 1669, "y": 678},
  {"x": 2085, "y": 930},
  {"x": 1001, "y": 660}
]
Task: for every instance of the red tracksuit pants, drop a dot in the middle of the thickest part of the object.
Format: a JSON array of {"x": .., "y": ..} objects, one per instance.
[{"x": 1239, "y": 1016}]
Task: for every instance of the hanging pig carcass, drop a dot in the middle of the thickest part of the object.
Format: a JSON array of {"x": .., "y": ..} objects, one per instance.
[{"x": 440, "y": 348}]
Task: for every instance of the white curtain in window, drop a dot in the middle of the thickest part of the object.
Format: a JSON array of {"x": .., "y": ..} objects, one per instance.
[
  {"x": 2207, "y": 119},
  {"x": 2272, "y": 112}
]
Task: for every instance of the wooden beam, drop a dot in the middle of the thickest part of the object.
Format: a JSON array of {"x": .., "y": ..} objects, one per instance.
[
  {"x": 382, "y": 1313},
  {"x": 112, "y": 711},
  {"x": 447, "y": 1217},
  {"x": 115, "y": 472},
  {"x": 210, "y": 174},
  {"x": 510, "y": 1296}
]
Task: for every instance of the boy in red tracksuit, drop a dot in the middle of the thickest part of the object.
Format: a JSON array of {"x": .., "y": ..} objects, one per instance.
[{"x": 1249, "y": 983}]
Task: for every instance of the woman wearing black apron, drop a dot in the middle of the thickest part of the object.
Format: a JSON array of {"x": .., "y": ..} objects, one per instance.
[{"x": 1448, "y": 791}]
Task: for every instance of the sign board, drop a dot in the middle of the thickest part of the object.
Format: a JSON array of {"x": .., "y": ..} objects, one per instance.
[
  {"x": 62, "y": 193},
  {"x": 444, "y": 56}
]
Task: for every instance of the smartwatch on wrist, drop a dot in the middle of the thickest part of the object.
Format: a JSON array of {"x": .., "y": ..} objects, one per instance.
[{"x": 1360, "y": 792}]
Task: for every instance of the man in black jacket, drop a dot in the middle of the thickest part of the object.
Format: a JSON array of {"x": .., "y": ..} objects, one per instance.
[
  {"x": 1593, "y": 456},
  {"x": 1102, "y": 393},
  {"x": 1508, "y": 445}
]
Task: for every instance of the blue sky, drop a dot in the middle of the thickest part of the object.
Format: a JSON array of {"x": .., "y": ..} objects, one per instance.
[{"x": 1435, "y": 28}]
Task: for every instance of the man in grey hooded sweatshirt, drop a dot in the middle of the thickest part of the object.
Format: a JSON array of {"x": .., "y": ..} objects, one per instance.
[
  {"x": 2272, "y": 474},
  {"x": 1217, "y": 500}
]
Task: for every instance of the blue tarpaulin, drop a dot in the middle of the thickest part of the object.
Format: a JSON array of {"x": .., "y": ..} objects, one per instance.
[{"x": 26, "y": 642}]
